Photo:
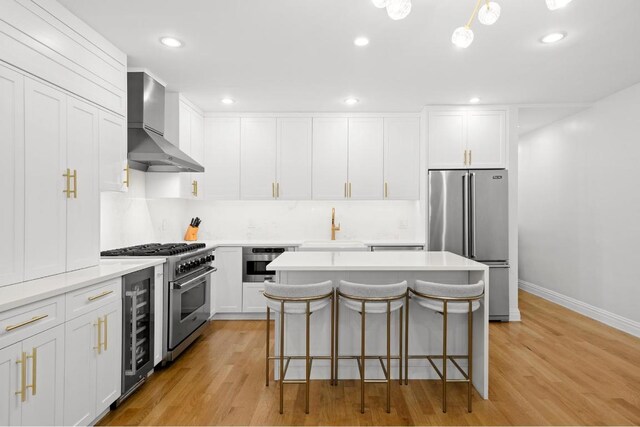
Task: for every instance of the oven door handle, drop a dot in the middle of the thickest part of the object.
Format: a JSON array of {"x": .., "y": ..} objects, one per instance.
[{"x": 182, "y": 286}]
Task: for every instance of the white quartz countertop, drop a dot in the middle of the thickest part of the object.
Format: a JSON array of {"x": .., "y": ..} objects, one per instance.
[
  {"x": 278, "y": 243},
  {"x": 374, "y": 261},
  {"x": 35, "y": 290}
]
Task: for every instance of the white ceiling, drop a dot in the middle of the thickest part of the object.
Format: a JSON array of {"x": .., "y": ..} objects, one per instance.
[{"x": 298, "y": 55}]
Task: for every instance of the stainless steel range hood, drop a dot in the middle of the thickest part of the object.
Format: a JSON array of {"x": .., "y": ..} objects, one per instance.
[{"x": 149, "y": 151}]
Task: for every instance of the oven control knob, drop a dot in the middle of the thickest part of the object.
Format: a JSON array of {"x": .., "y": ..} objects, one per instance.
[
  {"x": 210, "y": 258},
  {"x": 203, "y": 260},
  {"x": 181, "y": 268}
]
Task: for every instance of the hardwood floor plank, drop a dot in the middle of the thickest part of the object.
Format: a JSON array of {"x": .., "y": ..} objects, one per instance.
[{"x": 556, "y": 367}]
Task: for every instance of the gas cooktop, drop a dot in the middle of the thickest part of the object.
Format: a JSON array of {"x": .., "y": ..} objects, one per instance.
[{"x": 155, "y": 249}]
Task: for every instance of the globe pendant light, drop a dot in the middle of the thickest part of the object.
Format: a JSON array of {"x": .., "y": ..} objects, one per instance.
[
  {"x": 379, "y": 3},
  {"x": 398, "y": 9},
  {"x": 462, "y": 37},
  {"x": 489, "y": 13},
  {"x": 557, "y": 4}
]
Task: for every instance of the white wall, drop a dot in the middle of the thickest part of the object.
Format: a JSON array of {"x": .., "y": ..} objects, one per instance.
[
  {"x": 130, "y": 218},
  {"x": 579, "y": 210}
]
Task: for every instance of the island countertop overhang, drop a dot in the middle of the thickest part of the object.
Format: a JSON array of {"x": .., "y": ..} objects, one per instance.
[{"x": 374, "y": 261}]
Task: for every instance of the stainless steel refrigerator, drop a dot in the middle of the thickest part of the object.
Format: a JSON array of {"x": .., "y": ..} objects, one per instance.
[{"x": 469, "y": 216}]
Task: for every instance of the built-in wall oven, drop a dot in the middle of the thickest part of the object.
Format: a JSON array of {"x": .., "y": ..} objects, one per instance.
[{"x": 255, "y": 261}]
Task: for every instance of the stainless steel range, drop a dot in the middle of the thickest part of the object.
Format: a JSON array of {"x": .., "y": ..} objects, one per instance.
[{"x": 186, "y": 290}]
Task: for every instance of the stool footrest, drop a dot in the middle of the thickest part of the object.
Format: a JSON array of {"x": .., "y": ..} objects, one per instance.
[{"x": 430, "y": 358}]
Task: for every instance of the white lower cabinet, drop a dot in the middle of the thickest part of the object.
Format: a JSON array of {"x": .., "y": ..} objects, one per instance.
[
  {"x": 93, "y": 360},
  {"x": 253, "y": 300},
  {"x": 228, "y": 286},
  {"x": 10, "y": 405}
]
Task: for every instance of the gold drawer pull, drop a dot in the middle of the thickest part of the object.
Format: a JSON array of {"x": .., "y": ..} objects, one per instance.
[
  {"x": 104, "y": 294},
  {"x": 25, "y": 323},
  {"x": 126, "y": 180}
]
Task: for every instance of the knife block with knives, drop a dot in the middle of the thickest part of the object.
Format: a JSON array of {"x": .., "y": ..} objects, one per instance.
[{"x": 192, "y": 231}]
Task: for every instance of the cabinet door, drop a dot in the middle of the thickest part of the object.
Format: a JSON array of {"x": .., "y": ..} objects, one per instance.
[
  {"x": 402, "y": 158},
  {"x": 184, "y": 143},
  {"x": 197, "y": 152},
  {"x": 294, "y": 159},
  {"x": 45, "y": 164},
  {"x": 229, "y": 280},
  {"x": 258, "y": 158},
  {"x": 81, "y": 342},
  {"x": 10, "y": 383},
  {"x": 253, "y": 300},
  {"x": 83, "y": 210},
  {"x": 11, "y": 177},
  {"x": 330, "y": 136},
  {"x": 113, "y": 152},
  {"x": 366, "y": 154},
  {"x": 45, "y": 373},
  {"x": 222, "y": 158},
  {"x": 486, "y": 139},
  {"x": 109, "y": 360},
  {"x": 447, "y": 140}
]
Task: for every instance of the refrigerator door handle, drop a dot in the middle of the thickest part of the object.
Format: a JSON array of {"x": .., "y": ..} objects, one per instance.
[
  {"x": 472, "y": 214},
  {"x": 465, "y": 214}
]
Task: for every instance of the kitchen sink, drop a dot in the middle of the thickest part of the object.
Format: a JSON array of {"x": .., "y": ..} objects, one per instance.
[{"x": 333, "y": 245}]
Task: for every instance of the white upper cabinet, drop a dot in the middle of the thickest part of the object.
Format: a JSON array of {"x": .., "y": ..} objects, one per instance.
[
  {"x": 45, "y": 183},
  {"x": 294, "y": 159},
  {"x": 113, "y": 152},
  {"x": 197, "y": 153},
  {"x": 258, "y": 158},
  {"x": 330, "y": 154},
  {"x": 467, "y": 139},
  {"x": 222, "y": 158},
  {"x": 83, "y": 210},
  {"x": 486, "y": 139},
  {"x": 11, "y": 177},
  {"x": 402, "y": 158},
  {"x": 365, "y": 166}
]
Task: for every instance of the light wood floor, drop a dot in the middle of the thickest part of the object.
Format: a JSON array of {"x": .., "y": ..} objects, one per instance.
[{"x": 555, "y": 367}]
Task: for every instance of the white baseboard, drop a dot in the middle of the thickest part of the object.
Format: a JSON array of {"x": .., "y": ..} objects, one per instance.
[
  {"x": 614, "y": 320},
  {"x": 239, "y": 316},
  {"x": 514, "y": 315}
]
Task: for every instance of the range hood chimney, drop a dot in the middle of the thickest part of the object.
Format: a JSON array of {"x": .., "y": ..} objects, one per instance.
[{"x": 149, "y": 151}]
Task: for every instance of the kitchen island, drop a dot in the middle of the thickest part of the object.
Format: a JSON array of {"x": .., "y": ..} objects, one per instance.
[{"x": 425, "y": 329}]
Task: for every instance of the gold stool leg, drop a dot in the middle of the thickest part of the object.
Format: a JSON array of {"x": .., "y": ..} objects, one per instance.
[
  {"x": 388, "y": 356},
  {"x": 337, "y": 330},
  {"x": 406, "y": 345},
  {"x": 362, "y": 359},
  {"x": 307, "y": 370},
  {"x": 333, "y": 327},
  {"x": 470, "y": 355},
  {"x": 281, "y": 357},
  {"x": 400, "y": 319},
  {"x": 444, "y": 358},
  {"x": 267, "y": 350}
]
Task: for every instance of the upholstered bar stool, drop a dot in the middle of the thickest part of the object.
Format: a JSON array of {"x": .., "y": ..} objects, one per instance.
[
  {"x": 446, "y": 300},
  {"x": 297, "y": 300},
  {"x": 372, "y": 299}
]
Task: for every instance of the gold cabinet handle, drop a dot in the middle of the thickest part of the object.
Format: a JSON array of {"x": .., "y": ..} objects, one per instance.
[
  {"x": 277, "y": 190},
  {"x": 470, "y": 157},
  {"x": 273, "y": 190},
  {"x": 349, "y": 190},
  {"x": 465, "y": 157},
  {"x": 103, "y": 294},
  {"x": 75, "y": 184},
  {"x": 99, "y": 325},
  {"x": 126, "y": 179},
  {"x": 106, "y": 336},
  {"x": 25, "y": 323},
  {"x": 23, "y": 377},
  {"x": 68, "y": 188},
  {"x": 345, "y": 190},
  {"x": 386, "y": 190},
  {"x": 34, "y": 373},
  {"x": 194, "y": 190}
]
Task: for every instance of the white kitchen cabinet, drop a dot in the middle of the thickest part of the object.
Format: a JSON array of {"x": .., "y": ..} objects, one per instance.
[
  {"x": 10, "y": 382},
  {"x": 93, "y": 360},
  {"x": 258, "y": 151},
  {"x": 486, "y": 139},
  {"x": 228, "y": 288},
  {"x": 253, "y": 300},
  {"x": 294, "y": 137},
  {"x": 158, "y": 318},
  {"x": 402, "y": 158},
  {"x": 222, "y": 158},
  {"x": 45, "y": 164},
  {"x": 11, "y": 178},
  {"x": 83, "y": 210},
  {"x": 44, "y": 378},
  {"x": 197, "y": 153},
  {"x": 366, "y": 154},
  {"x": 467, "y": 139},
  {"x": 330, "y": 154},
  {"x": 114, "y": 175}
]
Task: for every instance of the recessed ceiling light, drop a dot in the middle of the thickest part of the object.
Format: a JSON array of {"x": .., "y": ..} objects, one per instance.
[
  {"x": 351, "y": 101},
  {"x": 553, "y": 38},
  {"x": 171, "y": 42},
  {"x": 361, "y": 41},
  {"x": 227, "y": 101},
  {"x": 474, "y": 100}
]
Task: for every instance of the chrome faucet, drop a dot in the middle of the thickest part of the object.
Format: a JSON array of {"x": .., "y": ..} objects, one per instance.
[{"x": 333, "y": 224}]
